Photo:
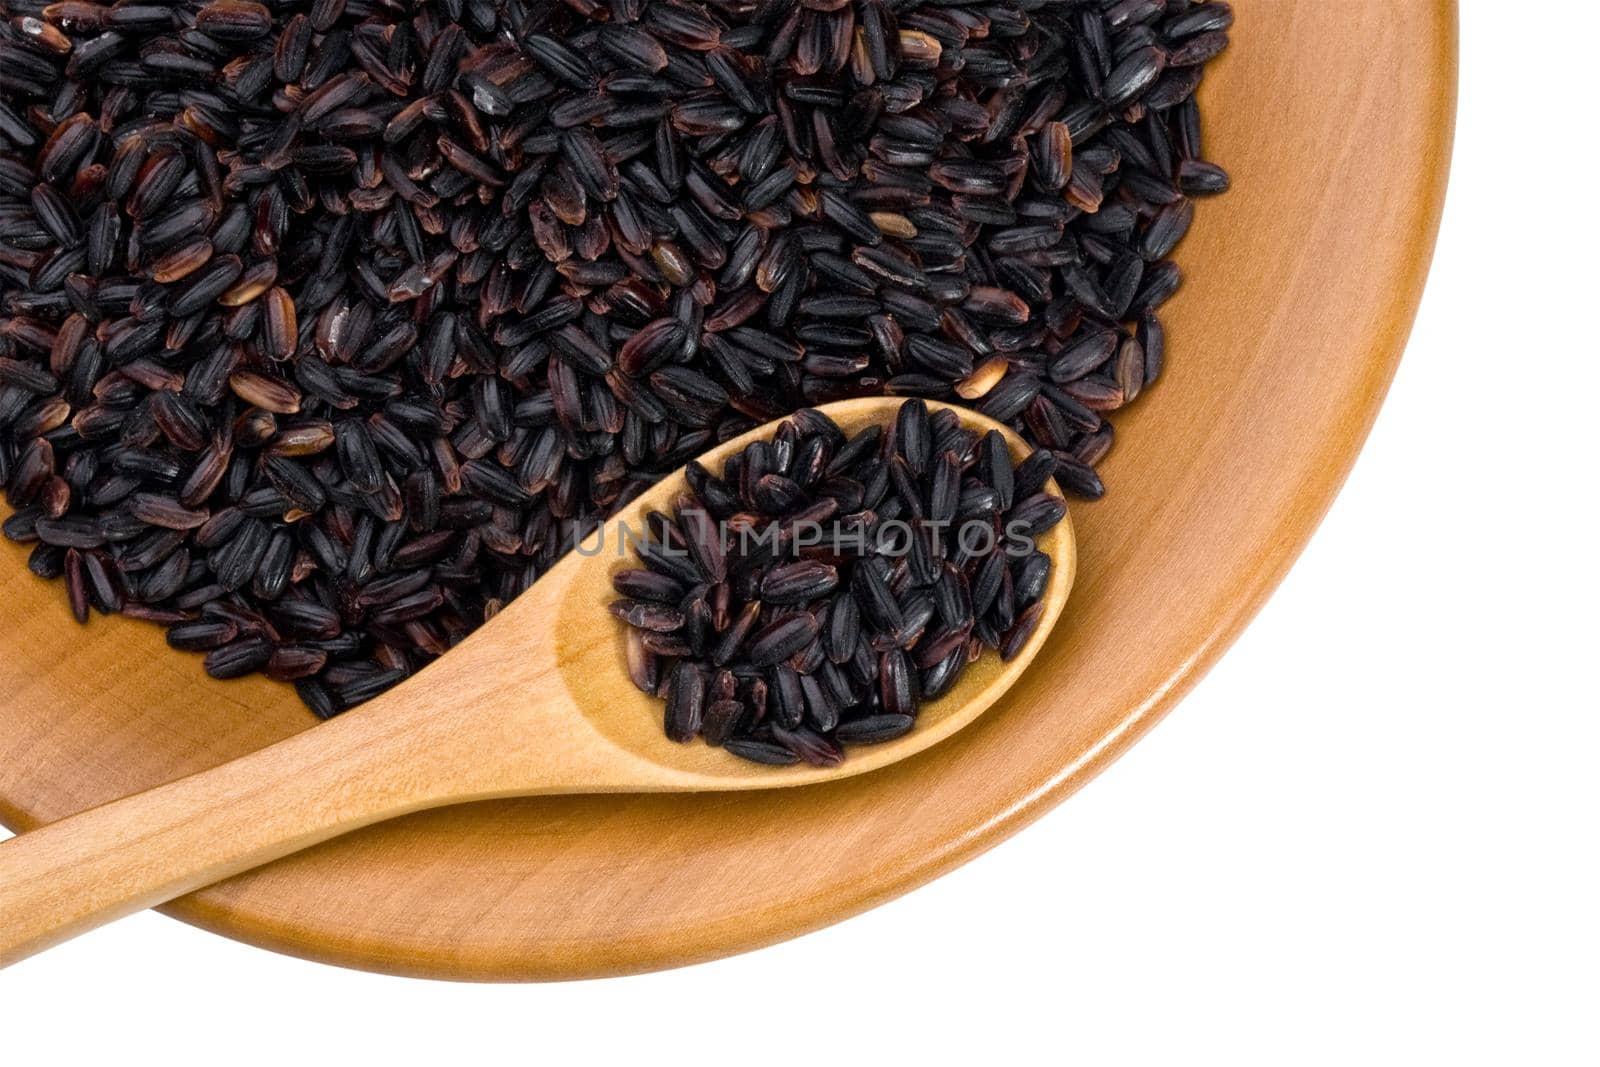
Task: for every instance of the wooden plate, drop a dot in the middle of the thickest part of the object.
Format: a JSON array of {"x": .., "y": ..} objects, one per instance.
[{"x": 1335, "y": 120}]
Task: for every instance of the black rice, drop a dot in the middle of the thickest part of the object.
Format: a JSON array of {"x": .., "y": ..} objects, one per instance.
[
  {"x": 301, "y": 297},
  {"x": 798, "y": 626}
]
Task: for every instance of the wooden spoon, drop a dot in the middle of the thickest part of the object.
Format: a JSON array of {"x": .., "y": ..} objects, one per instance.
[{"x": 537, "y": 701}]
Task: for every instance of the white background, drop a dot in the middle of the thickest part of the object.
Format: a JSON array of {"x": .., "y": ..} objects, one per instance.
[{"x": 1368, "y": 836}]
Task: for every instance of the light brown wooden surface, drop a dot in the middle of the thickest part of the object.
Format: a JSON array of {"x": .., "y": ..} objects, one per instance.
[
  {"x": 535, "y": 703},
  {"x": 1335, "y": 120}
]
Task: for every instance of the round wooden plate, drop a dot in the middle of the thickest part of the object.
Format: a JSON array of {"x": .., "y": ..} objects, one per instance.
[{"x": 1335, "y": 120}]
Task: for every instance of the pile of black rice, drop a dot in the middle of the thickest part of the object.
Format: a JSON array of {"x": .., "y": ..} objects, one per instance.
[
  {"x": 326, "y": 326},
  {"x": 819, "y": 588}
]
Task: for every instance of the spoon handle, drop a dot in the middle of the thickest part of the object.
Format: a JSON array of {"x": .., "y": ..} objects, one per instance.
[{"x": 385, "y": 759}]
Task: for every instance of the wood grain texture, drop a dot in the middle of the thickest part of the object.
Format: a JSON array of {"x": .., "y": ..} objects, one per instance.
[{"x": 1335, "y": 120}]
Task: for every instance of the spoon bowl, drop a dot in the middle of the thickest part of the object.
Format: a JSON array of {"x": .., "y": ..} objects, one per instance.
[
  {"x": 536, "y": 702},
  {"x": 631, "y": 720}
]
